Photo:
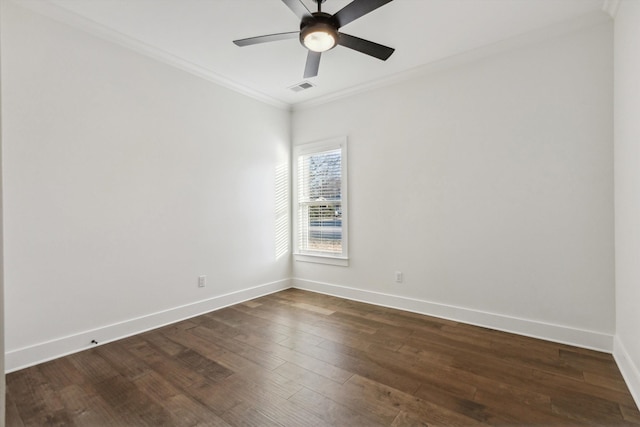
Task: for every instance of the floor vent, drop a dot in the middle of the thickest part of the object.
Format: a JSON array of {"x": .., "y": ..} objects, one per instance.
[{"x": 301, "y": 86}]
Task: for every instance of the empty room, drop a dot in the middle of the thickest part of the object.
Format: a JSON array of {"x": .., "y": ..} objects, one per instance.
[{"x": 320, "y": 212}]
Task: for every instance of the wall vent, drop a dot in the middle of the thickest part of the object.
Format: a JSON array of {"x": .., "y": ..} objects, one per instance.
[{"x": 301, "y": 86}]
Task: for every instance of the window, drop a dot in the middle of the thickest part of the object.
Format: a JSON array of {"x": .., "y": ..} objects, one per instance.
[{"x": 320, "y": 179}]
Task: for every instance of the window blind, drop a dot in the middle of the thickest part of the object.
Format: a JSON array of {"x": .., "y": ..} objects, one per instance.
[{"x": 320, "y": 202}]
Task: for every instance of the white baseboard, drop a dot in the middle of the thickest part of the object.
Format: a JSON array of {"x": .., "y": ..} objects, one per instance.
[
  {"x": 42, "y": 352},
  {"x": 556, "y": 333},
  {"x": 630, "y": 371},
  {"x": 49, "y": 350}
]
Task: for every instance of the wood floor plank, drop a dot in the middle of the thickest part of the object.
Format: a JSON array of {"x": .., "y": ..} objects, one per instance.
[
  {"x": 358, "y": 362},
  {"x": 582, "y": 407},
  {"x": 160, "y": 341},
  {"x": 314, "y": 308},
  {"x": 497, "y": 412},
  {"x": 203, "y": 366},
  {"x": 381, "y": 325},
  {"x": 504, "y": 356},
  {"x": 611, "y": 382},
  {"x": 390, "y": 397},
  {"x": 370, "y": 402},
  {"x": 206, "y": 347},
  {"x": 60, "y": 373},
  {"x": 304, "y": 360},
  {"x": 348, "y": 394},
  {"x": 456, "y": 403},
  {"x": 88, "y": 409},
  {"x": 259, "y": 357},
  {"x": 294, "y": 335},
  {"x": 12, "y": 415},
  {"x": 630, "y": 413},
  {"x": 125, "y": 363},
  {"x": 560, "y": 386},
  {"x": 404, "y": 319},
  {"x": 184, "y": 410},
  {"x": 251, "y": 304},
  {"x": 245, "y": 415},
  {"x": 422, "y": 369},
  {"x": 439, "y": 372},
  {"x": 215, "y": 396},
  {"x": 209, "y": 321},
  {"x": 135, "y": 407},
  {"x": 496, "y": 392},
  {"x": 313, "y": 321},
  {"x": 308, "y": 379},
  {"x": 297, "y": 358},
  {"x": 425, "y": 357},
  {"x": 329, "y": 410},
  {"x": 34, "y": 397},
  {"x": 261, "y": 397},
  {"x": 594, "y": 363},
  {"x": 262, "y": 329},
  {"x": 175, "y": 372},
  {"x": 249, "y": 370},
  {"x": 405, "y": 419},
  {"x": 276, "y": 383},
  {"x": 278, "y": 321},
  {"x": 93, "y": 367}
]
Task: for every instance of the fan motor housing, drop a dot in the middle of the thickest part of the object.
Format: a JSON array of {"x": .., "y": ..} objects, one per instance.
[{"x": 319, "y": 21}]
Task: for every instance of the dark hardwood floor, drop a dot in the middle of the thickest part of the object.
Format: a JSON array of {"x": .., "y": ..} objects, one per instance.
[{"x": 297, "y": 358}]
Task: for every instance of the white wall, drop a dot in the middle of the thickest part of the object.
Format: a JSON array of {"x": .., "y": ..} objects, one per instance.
[
  {"x": 126, "y": 179},
  {"x": 627, "y": 191},
  {"x": 489, "y": 185},
  {"x": 2, "y": 376}
]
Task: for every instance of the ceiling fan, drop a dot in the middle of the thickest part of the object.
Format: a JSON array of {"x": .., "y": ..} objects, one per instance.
[{"x": 319, "y": 32}]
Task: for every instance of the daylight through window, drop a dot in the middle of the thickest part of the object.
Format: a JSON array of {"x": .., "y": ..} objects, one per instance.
[{"x": 321, "y": 207}]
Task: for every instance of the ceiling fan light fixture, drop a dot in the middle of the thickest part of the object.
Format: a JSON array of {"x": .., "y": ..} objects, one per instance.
[
  {"x": 319, "y": 36},
  {"x": 319, "y": 41},
  {"x": 319, "y": 32}
]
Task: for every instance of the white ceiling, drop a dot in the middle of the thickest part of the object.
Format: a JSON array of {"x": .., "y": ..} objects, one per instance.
[{"x": 197, "y": 35}]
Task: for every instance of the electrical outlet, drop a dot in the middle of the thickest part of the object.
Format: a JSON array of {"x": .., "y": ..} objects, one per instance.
[
  {"x": 398, "y": 276},
  {"x": 202, "y": 281}
]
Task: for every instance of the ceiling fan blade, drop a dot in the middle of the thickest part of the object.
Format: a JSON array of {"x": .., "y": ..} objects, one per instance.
[
  {"x": 297, "y": 7},
  {"x": 365, "y": 46},
  {"x": 356, "y": 9},
  {"x": 313, "y": 64},
  {"x": 267, "y": 38}
]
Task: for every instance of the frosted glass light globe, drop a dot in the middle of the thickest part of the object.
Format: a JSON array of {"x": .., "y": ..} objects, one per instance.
[{"x": 319, "y": 41}]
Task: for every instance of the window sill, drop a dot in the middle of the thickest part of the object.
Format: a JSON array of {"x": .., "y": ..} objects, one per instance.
[{"x": 322, "y": 259}]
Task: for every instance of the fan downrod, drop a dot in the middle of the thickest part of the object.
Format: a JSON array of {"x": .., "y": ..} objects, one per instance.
[{"x": 319, "y": 3}]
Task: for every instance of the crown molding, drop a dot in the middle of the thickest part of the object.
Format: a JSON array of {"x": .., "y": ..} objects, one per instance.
[
  {"x": 611, "y": 7},
  {"x": 67, "y": 17},
  {"x": 516, "y": 42}
]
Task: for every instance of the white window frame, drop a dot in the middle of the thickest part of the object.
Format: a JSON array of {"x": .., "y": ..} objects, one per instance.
[{"x": 318, "y": 256}]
